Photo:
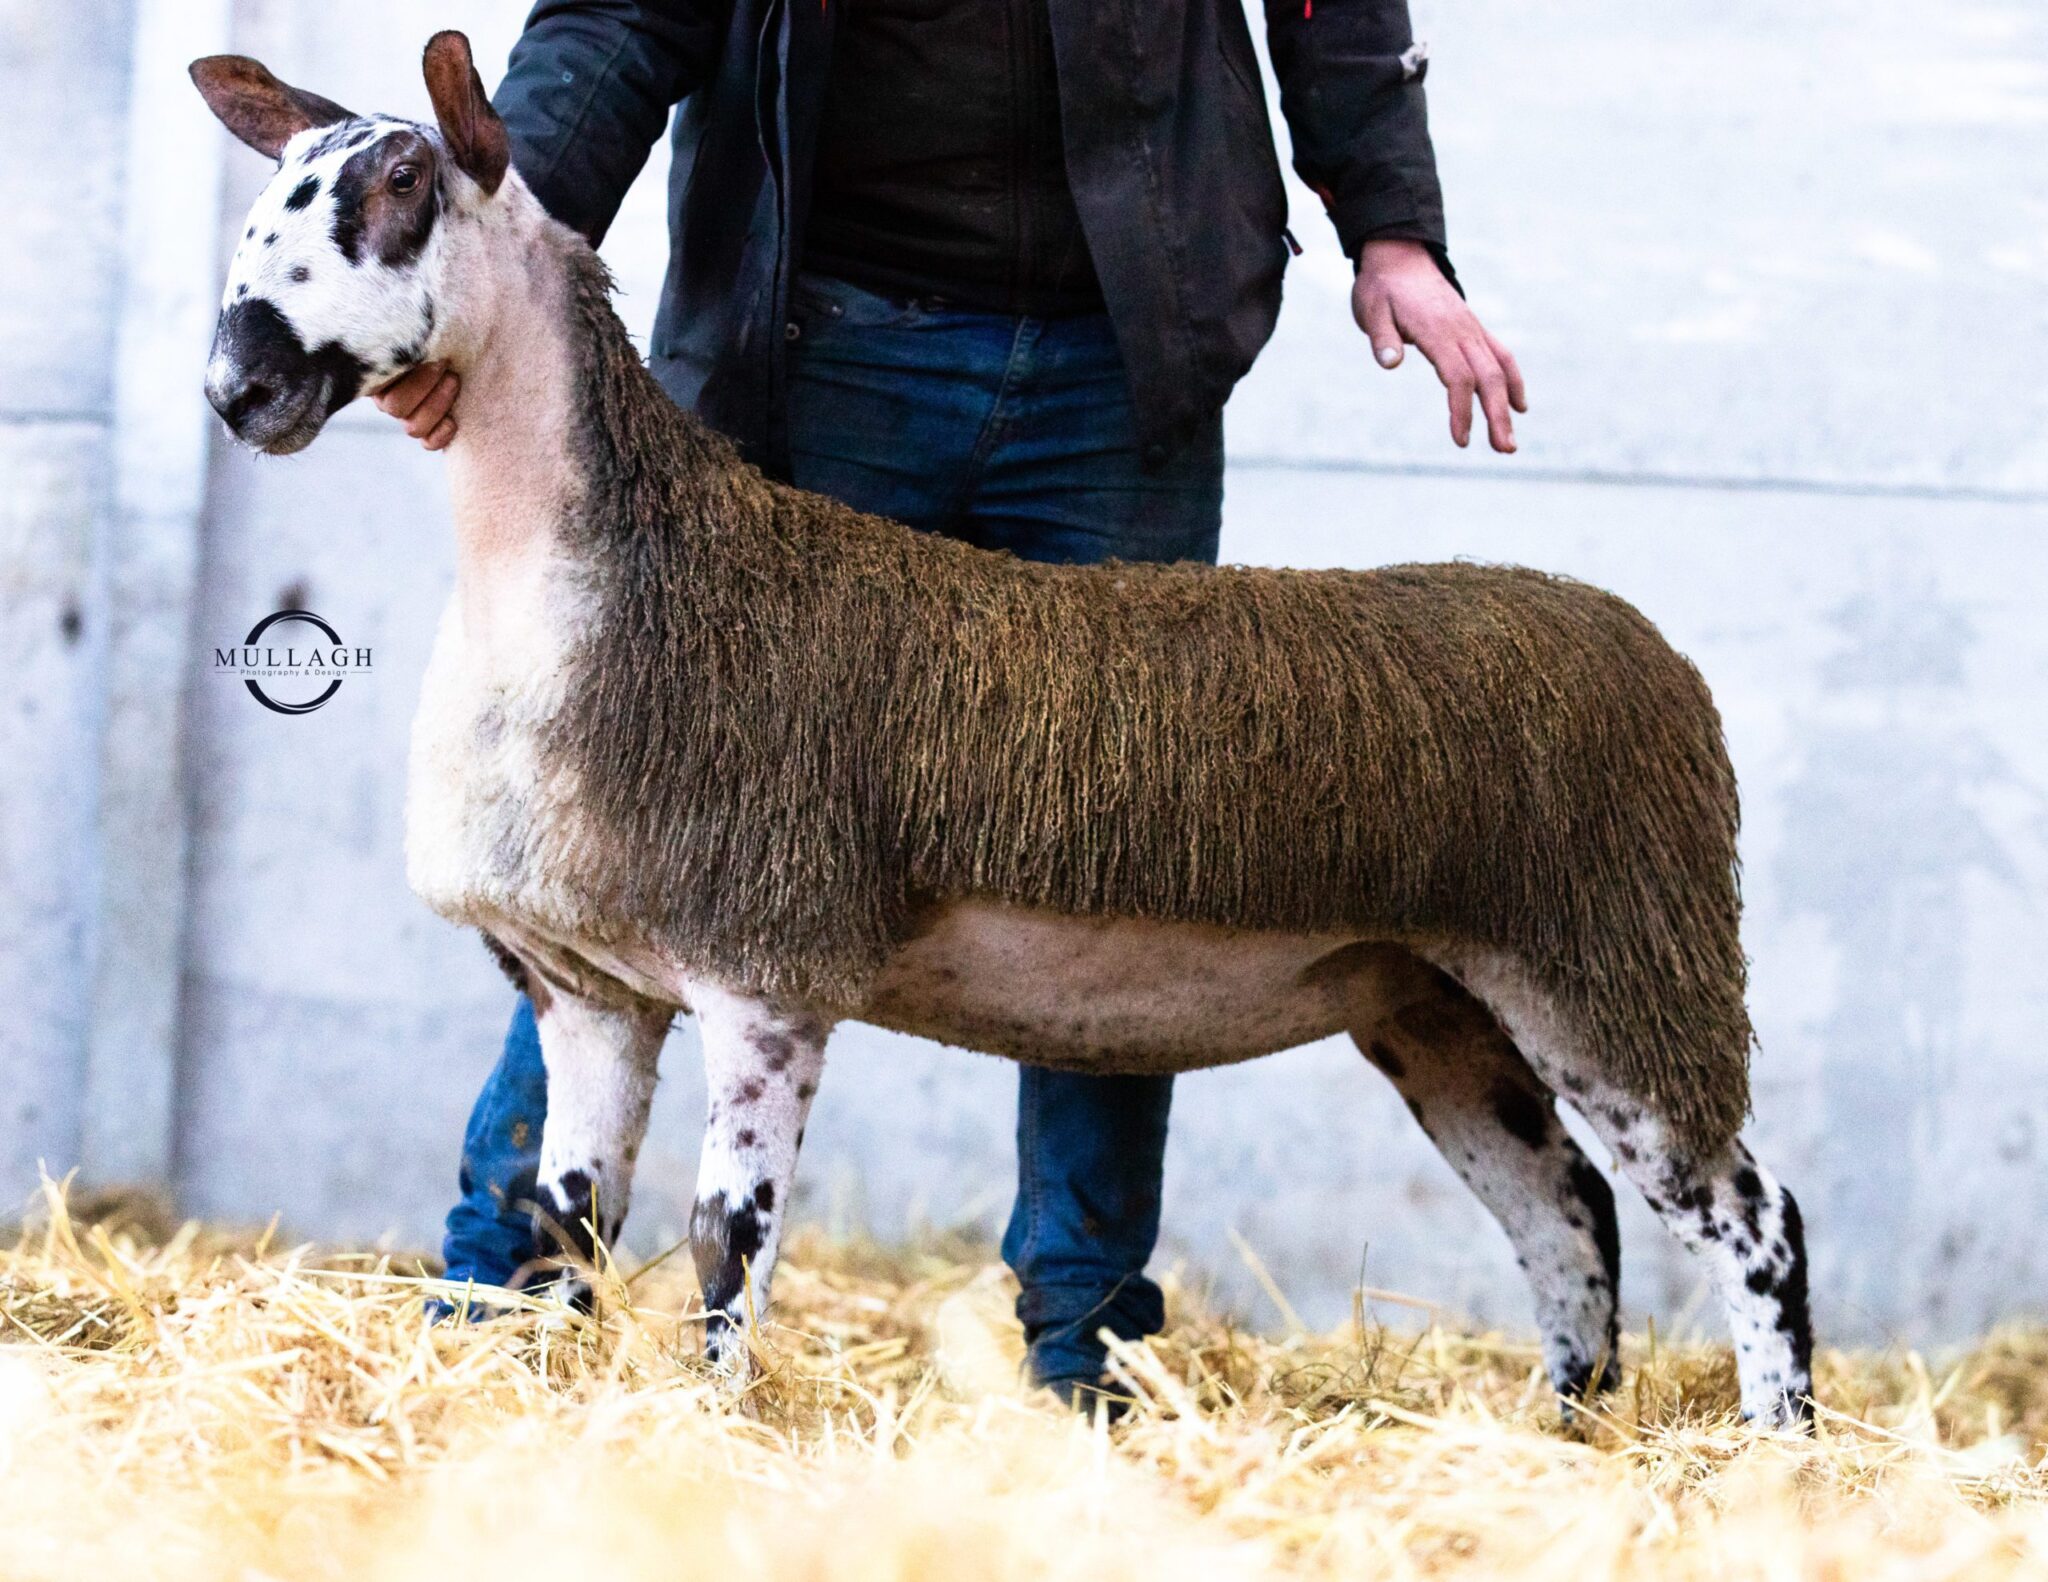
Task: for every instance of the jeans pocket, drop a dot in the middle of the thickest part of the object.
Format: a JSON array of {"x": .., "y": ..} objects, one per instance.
[{"x": 818, "y": 302}]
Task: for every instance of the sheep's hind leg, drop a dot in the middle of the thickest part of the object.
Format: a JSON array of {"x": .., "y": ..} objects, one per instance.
[
  {"x": 601, "y": 1065},
  {"x": 1496, "y": 1124},
  {"x": 1730, "y": 1212},
  {"x": 1722, "y": 1206},
  {"x": 761, "y": 1067}
]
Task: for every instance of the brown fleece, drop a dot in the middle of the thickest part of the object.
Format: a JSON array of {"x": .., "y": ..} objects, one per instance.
[{"x": 795, "y": 726}]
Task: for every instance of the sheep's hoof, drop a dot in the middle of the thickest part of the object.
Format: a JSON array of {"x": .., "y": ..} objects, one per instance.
[
  {"x": 575, "y": 1293},
  {"x": 558, "y": 1283},
  {"x": 730, "y": 1357},
  {"x": 1579, "y": 1392},
  {"x": 1786, "y": 1413}
]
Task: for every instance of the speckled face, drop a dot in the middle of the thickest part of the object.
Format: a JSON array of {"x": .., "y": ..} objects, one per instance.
[{"x": 330, "y": 292}]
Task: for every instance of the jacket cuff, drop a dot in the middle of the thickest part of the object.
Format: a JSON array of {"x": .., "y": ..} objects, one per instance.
[{"x": 1390, "y": 207}]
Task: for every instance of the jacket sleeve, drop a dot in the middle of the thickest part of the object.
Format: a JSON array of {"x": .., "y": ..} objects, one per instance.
[
  {"x": 1351, "y": 89},
  {"x": 589, "y": 90}
]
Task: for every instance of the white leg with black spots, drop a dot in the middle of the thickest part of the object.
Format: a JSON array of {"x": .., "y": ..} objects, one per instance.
[
  {"x": 1726, "y": 1209},
  {"x": 1731, "y": 1213},
  {"x": 1497, "y": 1126},
  {"x": 601, "y": 1065},
  {"x": 762, "y": 1063}
]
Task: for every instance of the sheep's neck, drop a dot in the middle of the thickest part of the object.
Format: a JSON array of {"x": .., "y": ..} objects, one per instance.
[{"x": 510, "y": 473}]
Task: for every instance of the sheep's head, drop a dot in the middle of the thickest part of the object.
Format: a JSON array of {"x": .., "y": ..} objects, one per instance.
[{"x": 333, "y": 287}]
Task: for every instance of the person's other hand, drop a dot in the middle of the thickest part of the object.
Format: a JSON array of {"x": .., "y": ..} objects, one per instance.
[
  {"x": 423, "y": 400},
  {"x": 1400, "y": 295}
]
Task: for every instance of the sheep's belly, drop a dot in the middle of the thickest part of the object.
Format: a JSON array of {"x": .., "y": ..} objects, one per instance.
[{"x": 1104, "y": 994}]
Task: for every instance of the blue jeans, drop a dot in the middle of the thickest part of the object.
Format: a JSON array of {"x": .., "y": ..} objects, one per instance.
[{"x": 1013, "y": 434}]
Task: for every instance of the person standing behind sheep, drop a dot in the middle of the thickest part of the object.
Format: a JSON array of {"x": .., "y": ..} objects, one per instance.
[{"x": 991, "y": 268}]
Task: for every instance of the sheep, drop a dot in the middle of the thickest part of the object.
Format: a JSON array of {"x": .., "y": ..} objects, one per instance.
[{"x": 694, "y": 741}]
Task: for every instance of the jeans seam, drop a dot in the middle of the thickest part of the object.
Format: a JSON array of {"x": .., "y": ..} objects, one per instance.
[
  {"x": 1028, "y": 1185},
  {"x": 1024, "y": 336}
]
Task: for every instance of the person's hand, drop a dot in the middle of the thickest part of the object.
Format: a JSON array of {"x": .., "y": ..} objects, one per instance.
[
  {"x": 1401, "y": 295},
  {"x": 422, "y": 400}
]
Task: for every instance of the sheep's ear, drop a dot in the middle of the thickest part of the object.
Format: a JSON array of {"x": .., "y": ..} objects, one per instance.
[
  {"x": 263, "y": 112},
  {"x": 475, "y": 136}
]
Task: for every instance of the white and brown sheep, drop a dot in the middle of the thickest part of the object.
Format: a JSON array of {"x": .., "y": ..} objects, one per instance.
[{"x": 692, "y": 740}]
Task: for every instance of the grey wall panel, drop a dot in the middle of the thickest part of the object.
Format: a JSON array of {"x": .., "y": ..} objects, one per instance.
[
  {"x": 65, "y": 70},
  {"x": 66, "y": 74},
  {"x": 1725, "y": 240},
  {"x": 52, "y": 505}
]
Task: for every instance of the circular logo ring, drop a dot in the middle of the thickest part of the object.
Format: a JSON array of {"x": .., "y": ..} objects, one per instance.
[{"x": 255, "y": 634}]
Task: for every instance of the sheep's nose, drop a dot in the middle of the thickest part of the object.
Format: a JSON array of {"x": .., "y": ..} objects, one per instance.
[{"x": 236, "y": 397}]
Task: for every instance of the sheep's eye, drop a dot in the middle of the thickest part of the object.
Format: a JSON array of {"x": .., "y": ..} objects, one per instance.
[{"x": 404, "y": 177}]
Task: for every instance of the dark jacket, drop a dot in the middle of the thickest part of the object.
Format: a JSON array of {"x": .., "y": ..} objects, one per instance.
[
  {"x": 1169, "y": 152},
  {"x": 941, "y": 170}
]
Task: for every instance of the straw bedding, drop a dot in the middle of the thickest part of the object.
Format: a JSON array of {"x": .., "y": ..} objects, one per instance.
[
  {"x": 794, "y": 727},
  {"x": 205, "y": 1406}
]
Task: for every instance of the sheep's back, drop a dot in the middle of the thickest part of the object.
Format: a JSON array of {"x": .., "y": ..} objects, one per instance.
[
  {"x": 1453, "y": 752},
  {"x": 1290, "y": 749}
]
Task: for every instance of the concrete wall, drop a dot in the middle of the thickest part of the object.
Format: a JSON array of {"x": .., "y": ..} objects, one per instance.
[{"x": 1780, "y": 282}]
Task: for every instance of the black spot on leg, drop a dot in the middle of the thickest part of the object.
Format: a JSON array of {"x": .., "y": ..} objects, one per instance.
[
  {"x": 744, "y": 1138},
  {"x": 567, "y": 1222},
  {"x": 304, "y": 193},
  {"x": 270, "y": 240},
  {"x": 71, "y": 623},
  {"x": 805, "y": 1089},
  {"x": 1590, "y": 1187},
  {"x": 776, "y": 1049},
  {"x": 1575, "y": 1382},
  {"x": 764, "y": 1196},
  {"x": 301, "y": 274},
  {"x": 750, "y": 1091},
  {"x": 1795, "y": 1309},
  {"x": 1749, "y": 1194},
  {"x": 1522, "y": 1115},
  {"x": 723, "y": 1240},
  {"x": 1429, "y": 1022}
]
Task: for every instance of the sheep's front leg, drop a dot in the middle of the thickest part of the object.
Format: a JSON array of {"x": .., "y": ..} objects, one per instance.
[
  {"x": 761, "y": 1067},
  {"x": 601, "y": 1066}
]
